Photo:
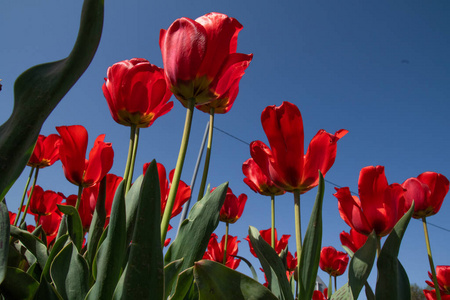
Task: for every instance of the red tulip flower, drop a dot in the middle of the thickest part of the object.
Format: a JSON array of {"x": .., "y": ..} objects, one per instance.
[
  {"x": 257, "y": 181},
  {"x": 332, "y": 261},
  {"x": 136, "y": 92},
  {"x": 353, "y": 240},
  {"x": 12, "y": 217},
  {"x": 428, "y": 191},
  {"x": 85, "y": 211},
  {"x": 232, "y": 207},
  {"x": 43, "y": 203},
  {"x": 200, "y": 59},
  {"x": 215, "y": 251},
  {"x": 183, "y": 192},
  {"x": 318, "y": 295},
  {"x": 280, "y": 245},
  {"x": 285, "y": 162},
  {"x": 72, "y": 152},
  {"x": 46, "y": 151},
  {"x": 112, "y": 183},
  {"x": 443, "y": 279},
  {"x": 380, "y": 205},
  {"x": 50, "y": 225}
]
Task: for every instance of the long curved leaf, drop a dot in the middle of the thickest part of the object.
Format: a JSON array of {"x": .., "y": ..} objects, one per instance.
[
  {"x": 39, "y": 89},
  {"x": 74, "y": 225},
  {"x": 4, "y": 239},
  {"x": 32, "y": 243},
  {"x": 18, "y": 285}
]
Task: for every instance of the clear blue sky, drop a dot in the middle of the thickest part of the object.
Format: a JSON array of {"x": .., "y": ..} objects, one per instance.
[{"x": 380, "y": 69}]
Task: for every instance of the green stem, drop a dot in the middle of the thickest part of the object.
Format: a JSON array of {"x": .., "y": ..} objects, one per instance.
[
  {"x": 335, "y": 283},
  {"x": 130, "y": 154},
  {"x": 330, "y": 288},
  {"x": 430, "y": 258},
  {"x": 272, "y": 238},
  {"x": 201, "y": 190},
  {"x": 178, "y": 168},
  {"x": 29, "y": 197},
  {"x": 226, "y": 245},
  {"x": 378, "y": 246},
  {"x": 23, "y": 196},
  {"x": 298, "y": 229},
  {"x": 133, "y": 160},
  {"x": 80, "y": 191}
]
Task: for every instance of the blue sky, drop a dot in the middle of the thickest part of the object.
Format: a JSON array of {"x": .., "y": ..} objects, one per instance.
[{"x": 379, "y": 69}]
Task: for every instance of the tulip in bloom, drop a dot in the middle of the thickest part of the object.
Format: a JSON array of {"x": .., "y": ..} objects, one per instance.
[
  {"x": 257, "y": 181},
  {"x": 136, "y": 92},
  {"x": 428, "y": 191},
  {"x": 443, "y": 279},
  {"x": 200, "y": 60},
  {"x": 353, "y": 240},
  {"x": 72, "y": 153},
  {"x": 50, "y": 225},
  {"x": 380, "y": 205},
  {"x": 332, "y": 261},
  {"x": 216, "y": 250},
  {"x": 284, "y": 162},
  {"x": 43, "y": 203},
  {"x": 318, "y": 295},
  {"x": 232, "y": 207},
  {"x": 46, "y": 151},
  {"x": 280, "y": 245}
]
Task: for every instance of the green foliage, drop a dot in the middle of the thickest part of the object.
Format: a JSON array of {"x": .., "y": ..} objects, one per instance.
[
  {"x": 18, "y": 285},
  {"x": 74, "y": 226},
  {"x": 4, "y": 239},
  {"x": 417, "y": 292}
]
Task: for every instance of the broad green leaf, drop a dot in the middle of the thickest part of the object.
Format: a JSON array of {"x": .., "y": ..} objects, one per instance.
[
  {"x": 272, "y": 264},
  {"x": 70, "y": 273},
  {"x": 112, "y": 251},
  {"x": 249, "y": 264},
  {"x": 145, "y": 267},
  {"x": 171, "y": 272},
  {"x": 361, "y": 265},
  {"x": 132, "y": 201},
  {"x": 18, "y": 285},
  {"x": 47, "y": 291},
  {"x": 392, "y": 282},
  {"x": 32, "y": 244},
  {"x": 4, "y": 239},
  {"x": 344, "y": 293},
  {"x": 57, "y": 247},
  {"x": 39, "y": 89},
  {"x": 74, "y": 225},
  {"x": 218, "y": 282},
  {"x": 196, "y": 230},
  {"x": 184, "y": 283},
  {"x": 97, "y": 223},
  {"x": 309, "y": 259}
]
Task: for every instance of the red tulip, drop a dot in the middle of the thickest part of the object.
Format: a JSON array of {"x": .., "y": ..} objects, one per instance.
[
  {"x": 112, "y": 182},
  {"x": 46, "y": 151},
  {"x": 353, "y": 240},
  {"x": 43, "y": 203},
  {"x": 72, "y": 152},
  {"x": 12, "y": 217},
  {"x": 136, "y": 92},
  {"x": 257, "y": 181},
  {"x": 428, "y": 191},
  {"x": 443, "y": 279},
  {"x": 85, "y": 211},
  {"x": 215, "y": 251},
  {"x": 431, "y": 295},
  {"x": 285, "y": 163},
  {"x": 318, "y": 295},
  {"x": 200, "y": 59},
  {"x": 183, "y": 192},
  {"x": 380, "y": 205},
  {"x": 280, "y": 245},
  {"x": 332, "y": 261},
  {"x": 50, "y": 225},
  {"x": 232, "y": 207}
]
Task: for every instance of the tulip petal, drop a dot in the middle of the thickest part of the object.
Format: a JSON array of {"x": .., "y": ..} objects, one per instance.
[
  {"x": 439, "y": 186},
  {"x": 350, "y": 211},
  {"x": 73, "y": 151}
]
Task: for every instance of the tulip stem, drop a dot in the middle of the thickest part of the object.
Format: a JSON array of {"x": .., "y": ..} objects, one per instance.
[
  {"x": 378, "y": 246},
  {"x": 226, "y": 244},
  {"x": 130, "y": 151},
  {"x": 272, "y": 237},
  {"x": 430, "y": 258},
  {"x": 133, "y": 159},
  {"x": 178, "y": 168},
  {"x": 80, "y": 191},
  {"x": 330, "y": 288},
  {"x": 29, "y": 197},
  {"x": 201, "y": 190},
  {"x": 23, "y": 196},
  {"x": 298, "y": 229},
  {"x": 335, "y": 283}
]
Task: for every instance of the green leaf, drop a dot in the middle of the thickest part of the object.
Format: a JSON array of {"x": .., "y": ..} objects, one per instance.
[
  {"x": 309, "y": 259},
  {"x": 4, "y": 239},
  {"x": 344, "y": 293},
  {"x": 74, "y": 225},
  {"x": 249, "y": 264},
  {"x": 145, "y": 264},
  {"x": 97, "y": 223},
  {"x": 272, "y": 264},
  {"x": 18, "y": 285},
  {"x": 171, "y": 272},
  {"x": 70, "y": 273},
  {"x": 32, "y": 244},
  {"x": 57, "y": 247},
  {"x": 184, "y": 283},
  {"x": 132, "y": 200},
  {"x": 361, "y": 265},
  {"x": 196, "y": 230},
  {"x": 39, "y": 89},
  {"x": 218, "y": 282},
  {"x": 393, "y": 283},
  {"x": 47, "y": 291},
  {"x": 112, "y": 251}
]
